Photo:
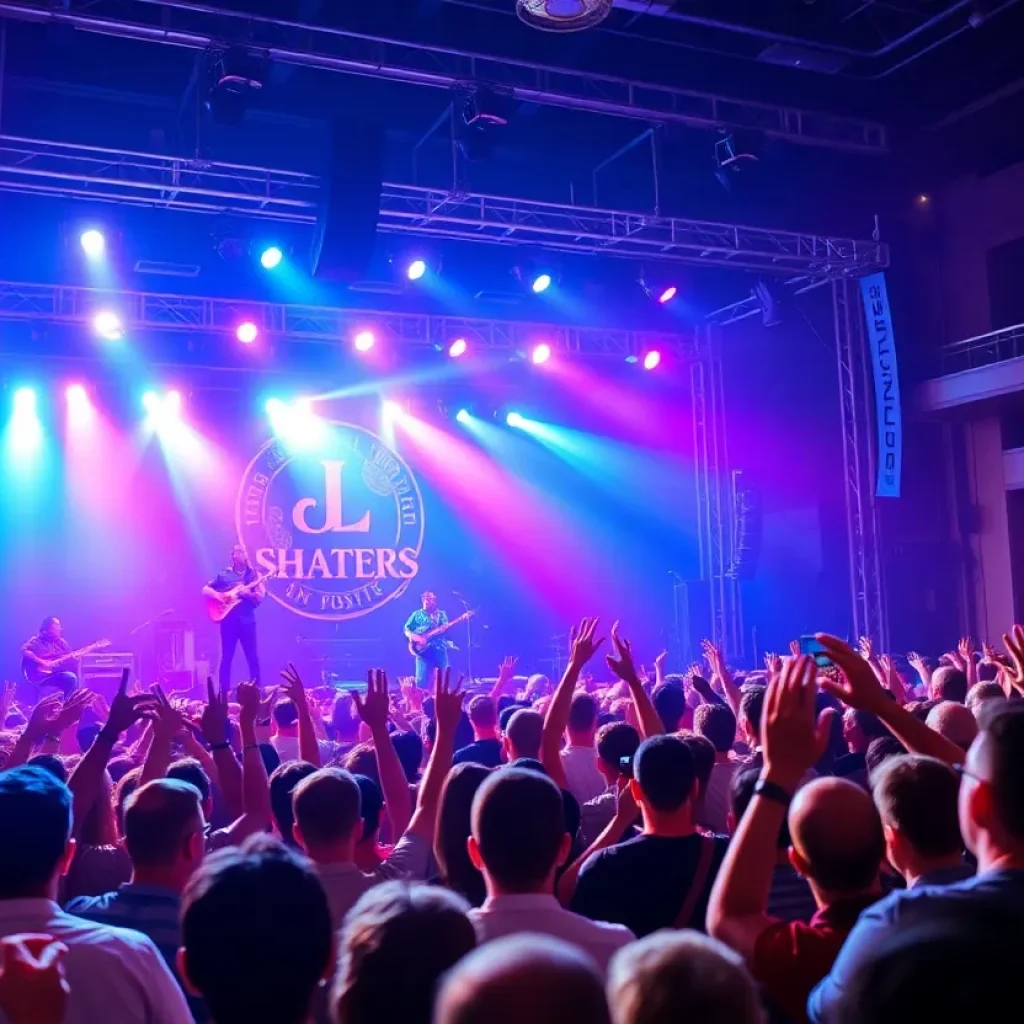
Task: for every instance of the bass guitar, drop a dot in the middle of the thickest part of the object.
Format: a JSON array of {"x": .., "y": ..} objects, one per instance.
[
  {"x": 219, "y": 608},
  {"x": 35, "y": 671},
  {"x": 421, "y": 641}
]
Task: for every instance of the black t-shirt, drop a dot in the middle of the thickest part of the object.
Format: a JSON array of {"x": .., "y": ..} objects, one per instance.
[
  {"x": 228, "y": 578},
  {"x": 485, "y": 752},
  {"x": 644, "y": 882}
]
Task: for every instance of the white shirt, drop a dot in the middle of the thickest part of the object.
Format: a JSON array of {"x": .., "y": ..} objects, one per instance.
[
  {"x": 541, "y": 914},
  {"x": 287, "y": 747},
  {"x": 345, "y": 883},
  {"x": 114, "y": 974},
  {"x": 585, "y": 781},
  {"x": 718, "y": 798}
]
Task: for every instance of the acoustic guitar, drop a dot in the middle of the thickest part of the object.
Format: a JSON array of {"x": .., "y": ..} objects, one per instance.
[
  {"x": 220, "y": 608},
  {"x": 35, "y": 672},
  {"x": 421, "y": 641}
]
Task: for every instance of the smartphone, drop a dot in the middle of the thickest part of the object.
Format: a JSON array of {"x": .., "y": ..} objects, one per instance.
[
  {"x": 812, "y": 646},
  {"x": 626, "y": 766}
]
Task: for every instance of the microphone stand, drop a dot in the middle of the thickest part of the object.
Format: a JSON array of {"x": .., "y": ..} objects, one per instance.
[{"x": 469, "y": 637}]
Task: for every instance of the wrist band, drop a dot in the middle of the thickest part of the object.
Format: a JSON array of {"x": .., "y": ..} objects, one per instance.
[
  {"x": 772, "y": 791},
  {"x": 226, "y": 745},
  {"x": 250, "y": 746}
]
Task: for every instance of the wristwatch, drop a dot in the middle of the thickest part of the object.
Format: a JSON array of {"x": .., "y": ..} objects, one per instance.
[{"x": 772, "y": 791}]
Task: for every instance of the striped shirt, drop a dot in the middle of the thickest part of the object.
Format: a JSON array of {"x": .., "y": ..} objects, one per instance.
[{"x": 150, "y": 909}]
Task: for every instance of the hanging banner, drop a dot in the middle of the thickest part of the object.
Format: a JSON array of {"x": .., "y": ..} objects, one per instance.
[{"x": 887, "y": 385}]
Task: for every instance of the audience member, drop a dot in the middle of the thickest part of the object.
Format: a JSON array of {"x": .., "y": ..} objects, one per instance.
[
  {"x": 579, "y": 760},
  {"x": 879, "y": 751},
  {"x": 616, "y": 746},
  {"x": 859, "y": 729},
  {"x": 662, "y": 878},
  {"x": 948, "y": 683},
  {"x": 916, "y": 799},
  {"x": 518, "y": 843},
  {"x": 486, "y": 746},
  {"x": 523, "y": 735},
  {"x": 675, "y": 976},
  {"x": 286, "y": 777},
  {"x": 523, "y": 978},
  {"x": 982, "y": 694},
  {"x": 703, "y": 753},
  {"x": 114, "y": 974},
  {"x": 669, "y": 701},
  {"x": 396, "y": 943},
  {"x": 454, "y": 827},
  {"x": 717, "y": 723},
  {"x": 954, "y": 721}
]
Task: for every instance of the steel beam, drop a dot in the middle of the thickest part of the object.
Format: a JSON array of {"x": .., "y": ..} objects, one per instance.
[{"x": 200, "y": 27}]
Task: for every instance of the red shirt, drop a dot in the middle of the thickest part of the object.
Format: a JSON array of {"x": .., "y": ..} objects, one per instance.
[{"x": 791, "y": 957}]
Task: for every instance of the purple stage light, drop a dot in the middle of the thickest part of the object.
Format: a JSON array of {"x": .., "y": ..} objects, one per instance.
[
  {"x": 652, "y": 359},
  {"x": 247, "y": 332},
  {"x": 364, "y": 341},
  {"x": 668, "y": 294},
  {"x": 541, "y": 353},
  {"x": 457, "y": 348}
]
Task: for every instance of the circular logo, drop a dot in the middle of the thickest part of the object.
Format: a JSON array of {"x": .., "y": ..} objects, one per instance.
[{"x": 336, "y": 527}]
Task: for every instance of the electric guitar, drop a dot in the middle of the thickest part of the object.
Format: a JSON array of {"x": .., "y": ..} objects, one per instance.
[
  {"x": 421, "y": 641},
  {"x": 35, "y": 671},
  {"x": 219, "y": 608}
]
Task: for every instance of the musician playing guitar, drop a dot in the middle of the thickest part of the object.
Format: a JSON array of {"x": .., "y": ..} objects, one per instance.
[
  {"x": 45, "y": 658},
  {"x": 434, "y": 653},
  {"x": 239, "y": 625}
]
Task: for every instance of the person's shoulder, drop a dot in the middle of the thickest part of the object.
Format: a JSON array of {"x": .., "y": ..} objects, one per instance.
[
  {"x": 83, "y": 932},
  {"x": 84, "y": 906},
  {"x": 606, "y": 931}
]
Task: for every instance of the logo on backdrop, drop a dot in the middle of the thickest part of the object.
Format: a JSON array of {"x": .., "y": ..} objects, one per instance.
[
  {"x": 887, "y": 385},
  {"x": 341, "y": 526}
]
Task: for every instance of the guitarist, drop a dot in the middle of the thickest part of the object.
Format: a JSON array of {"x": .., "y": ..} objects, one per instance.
[
  {"x": 239, "y": 627},
  {"x": 44, "y": 658},
  {"x": 434, "y": 653}
]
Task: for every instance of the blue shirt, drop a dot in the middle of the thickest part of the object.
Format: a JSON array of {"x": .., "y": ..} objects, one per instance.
[
  {"x": 228, "y": 578},
  {"x": 422, "y": 622},
  {"x": 1001, "y": 892},
  {"x": 150, "y": 909}
]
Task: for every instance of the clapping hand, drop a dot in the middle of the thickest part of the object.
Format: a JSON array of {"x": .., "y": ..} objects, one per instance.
[
  {"x": 375, "y": 708},
  {"x": 582, "y": 645},
  {"x": 793, "y": 736}
]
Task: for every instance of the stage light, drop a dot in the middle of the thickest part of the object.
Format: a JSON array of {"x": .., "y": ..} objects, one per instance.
[
  {"x": 172, "y": 403},
  {"x": 151, "y": 402},
  {"x": 541, "y": 353},
  {"x": 416, "y": 270},
  {"x": 364, "y": 341},
  {"x": 247, "y": 332},
  {"x": 392, "y": 410},
  {"x": 458, "y": 348},
  {"x": 107, "y": 325},
  {"x": 513, "y": 419},
  {"x": 541, "y": 283},
  {"x": 304, "y": 406},
  {"x": 668, "y": 294},
  {"x": 271, "y": 257},
  {"x": 274, "y": 407},
  {"x": 462, "y": 416},
  {"x": 652, "y": 359},
  {"x": 92, "y": 243},
  {"x": 24, "y": 402}
]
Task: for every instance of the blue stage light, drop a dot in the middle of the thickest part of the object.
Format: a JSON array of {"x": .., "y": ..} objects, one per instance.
[
  {"x": 541, "y": 283},
  {"x": 416, "y": 270},
  {"x": 462, "y": 416},
  {"x": 24, "y": 402},
  {"x": 271, "y": 257},
  {"x": 92, "y": 243},
  {"x": 513, "y": 419}
]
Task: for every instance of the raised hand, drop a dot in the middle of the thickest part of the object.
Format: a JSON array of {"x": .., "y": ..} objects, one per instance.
[
  {"x": 703, "y": 687},
  {"x": 773, "y": 664},
  {"x": 412, "y": 695},
  {"x": 713, "y": 656},
  {"x": 447, "y": 700},
  {"x": 249, "y": 699},
  {"x": 125, "y": 711},
  {"x": 1014, "y": 644},
  {"x": 794, "y": 648},
  {"x": 293, "y": 687},
  {"x": 507, "y": 670},
  {"x": 856, "y": 683},
  {"x": 375, "y": 708},
  {"x": 659, "y": 664},
  {"x": 214, "y": 720},
  {"x": 43, "y": 718},
  {"x": 793, "y": 736},
  {"x": 966, "y": 649},
  {"x": 866, "y": 648},
  {"x": 582, "y": 645},
  {"x": 166, "y": 719},
  {"x": 621, "y": 663}
]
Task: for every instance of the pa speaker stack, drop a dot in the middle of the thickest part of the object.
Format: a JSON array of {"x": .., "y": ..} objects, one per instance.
[{"x": 350, "y": 197}]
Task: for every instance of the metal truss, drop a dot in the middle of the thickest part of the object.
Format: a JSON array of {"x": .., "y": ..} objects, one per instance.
[
  {"x": 317, "y": 324},
  {"x": 148, "y": 179},
  {"x": 867, "y": 586},
  {"x": 200, "y": 27}
]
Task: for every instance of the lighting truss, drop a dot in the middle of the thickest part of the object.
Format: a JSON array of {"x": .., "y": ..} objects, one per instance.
[
  {"x": 155, "y": 312},
  {"x": 199, "y": 27},
  {"x": 146, "y": 179}
]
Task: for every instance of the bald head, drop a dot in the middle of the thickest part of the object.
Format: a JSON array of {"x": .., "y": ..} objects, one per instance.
[
  {"x": 524, "y": 733},
  {"x": 837, "y": 836},
  {"x": 523, "y": 978},
  {"x": 954, "y": 721}
]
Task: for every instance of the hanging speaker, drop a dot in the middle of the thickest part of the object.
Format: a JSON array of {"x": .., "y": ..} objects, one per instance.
[{"x": 350, "y": 194}]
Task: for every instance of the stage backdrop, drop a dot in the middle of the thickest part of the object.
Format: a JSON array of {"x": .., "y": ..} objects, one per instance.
[{"x": 112, "y": 518}]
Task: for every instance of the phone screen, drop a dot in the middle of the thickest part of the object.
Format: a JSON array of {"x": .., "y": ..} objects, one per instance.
[{"x": 812, "y": 646}]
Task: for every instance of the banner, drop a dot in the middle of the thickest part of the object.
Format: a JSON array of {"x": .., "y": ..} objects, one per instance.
[{"x": 887, "y": 385}]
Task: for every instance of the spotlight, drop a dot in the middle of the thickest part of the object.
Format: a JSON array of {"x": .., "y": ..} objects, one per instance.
[
  {"x": 416, "y": 270},
  {"x": 75, "y": 394},
  {"x": 108, "y": 325},
  {"x": 513, "y": 419},
  {"x": 271, "y": 257},
  {"x": 392, "y": 410},
  {"x": 274, "y": 407},
  {"x": 93, "y": 243},
  {"x": 668, "y": 294},
  {"x": 172, "y": 403},
  {"x": 652, "y": 359},
  {"x": 457, "y": 348},
  {"x": 364, "y": 341},
  {"x": 462, "y": 416},
  {"x": 247, "y": 332},
  {"x": 24, "y": 402},
  {"x": 151, "y": 402},
  {"x": 541, "y": 283},
  {"x": 541, "y": 353}
]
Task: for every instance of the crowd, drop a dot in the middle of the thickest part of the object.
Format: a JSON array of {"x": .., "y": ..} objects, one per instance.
[{"x": 829, "y": 840}]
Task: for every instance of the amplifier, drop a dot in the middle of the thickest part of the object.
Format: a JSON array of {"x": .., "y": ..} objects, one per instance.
[{"x": 102, "y": 672}]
